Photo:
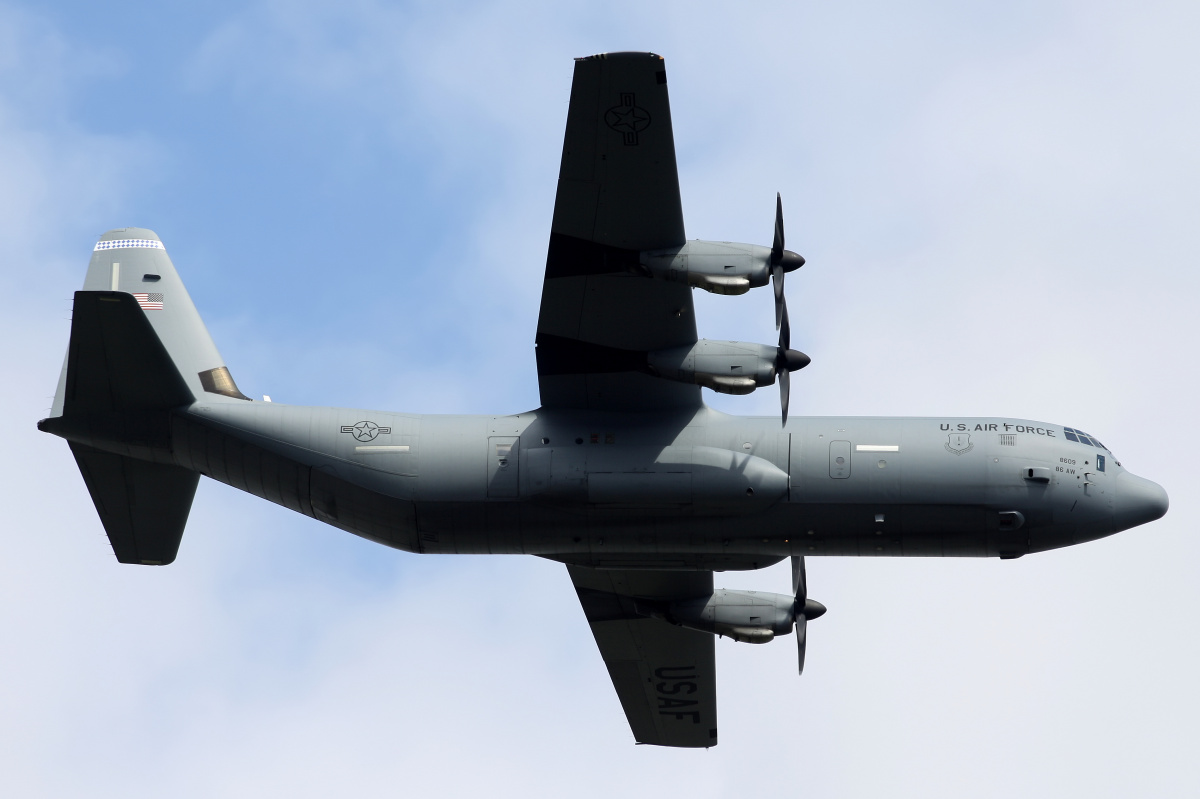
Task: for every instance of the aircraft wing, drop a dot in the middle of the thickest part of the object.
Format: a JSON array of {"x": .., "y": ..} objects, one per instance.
[
  {"x": 618, "y": 194},
  {"x": 665, "y": 675}
]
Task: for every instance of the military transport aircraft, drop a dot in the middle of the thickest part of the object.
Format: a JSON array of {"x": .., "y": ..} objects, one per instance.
[{"x": 623, "y": 474}]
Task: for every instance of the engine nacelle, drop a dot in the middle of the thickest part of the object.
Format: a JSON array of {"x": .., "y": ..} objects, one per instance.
[
  {"x": 752, "y": 617},
  {"x": 730, "y": 367},
  {"x": 721, "y": 267}
]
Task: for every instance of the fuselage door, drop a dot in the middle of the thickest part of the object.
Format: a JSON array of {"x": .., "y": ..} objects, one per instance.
[
  {"x": 503, "y": 456},
  {"x": 1095, "y": 482}
]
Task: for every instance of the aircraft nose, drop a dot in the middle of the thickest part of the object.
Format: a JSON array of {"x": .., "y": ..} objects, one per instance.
[{"x": 1137, "y": 501}]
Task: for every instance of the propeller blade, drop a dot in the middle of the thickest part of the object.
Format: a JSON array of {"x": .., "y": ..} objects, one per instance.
[
  {"x": 777, "y": 261},
  {"x": 777, "y": 244},
  {"x": 800, "y": 591},
  {"x": 785, "y": 391},
  {"x": 785, "y": 327},
  {"x": 801, "y": 635},
  {"x": 786, "y": 360},
  {"x": 777, "y": 284},
  {"x": 799, "y": 581},
  {"x": 782, "y": 262}
]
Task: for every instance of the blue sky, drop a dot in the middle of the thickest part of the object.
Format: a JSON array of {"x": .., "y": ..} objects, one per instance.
[{"x": 999, "y": 210}]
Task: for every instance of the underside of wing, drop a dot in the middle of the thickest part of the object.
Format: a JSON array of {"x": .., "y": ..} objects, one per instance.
[
  {"x": 618, "y": 196},
  {"x": 665, "y": 676}
]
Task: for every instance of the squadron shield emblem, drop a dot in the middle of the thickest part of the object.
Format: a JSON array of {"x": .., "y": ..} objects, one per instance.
[{"x": 958, "y": 443}]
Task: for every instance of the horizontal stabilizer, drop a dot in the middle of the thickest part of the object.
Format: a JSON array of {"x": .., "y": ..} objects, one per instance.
[
  {"x": 144, "y": 506},
  {"x": 115, "y": 361},
  {"x": 120, "y": 385}
]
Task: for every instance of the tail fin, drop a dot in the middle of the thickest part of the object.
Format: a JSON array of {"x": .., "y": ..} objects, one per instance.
[
  {"x": 133, "y": 260},
  {"x": 138, "y": 350}
]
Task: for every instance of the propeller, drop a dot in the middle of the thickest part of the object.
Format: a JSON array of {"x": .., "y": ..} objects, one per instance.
[
  {"x": 805, "y": 608},
  {"x": 787, "y": 360}
]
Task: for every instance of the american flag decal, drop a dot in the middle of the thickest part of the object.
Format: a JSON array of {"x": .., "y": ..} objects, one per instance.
[{"x": 149, "y": 302}]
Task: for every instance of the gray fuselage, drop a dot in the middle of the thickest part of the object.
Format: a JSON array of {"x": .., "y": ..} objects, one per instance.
[{"x": 692, "y": 490}]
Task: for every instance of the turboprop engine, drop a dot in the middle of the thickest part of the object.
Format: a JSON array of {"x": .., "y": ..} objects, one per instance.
[
  {"x": 719, "y": 267},
  {"x": 730, "y": 367},
  {"x": 751, "y": 617}
]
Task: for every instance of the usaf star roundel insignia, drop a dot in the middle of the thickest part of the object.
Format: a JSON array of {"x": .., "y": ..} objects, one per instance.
[
  {"x": 365, "y": 430},
  {"x": 628, "y": 118}
]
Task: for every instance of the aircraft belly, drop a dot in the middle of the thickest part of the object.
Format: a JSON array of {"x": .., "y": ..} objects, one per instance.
[
  {"x": 888, "y": 529},
  {"x": 599, "y": 537}
]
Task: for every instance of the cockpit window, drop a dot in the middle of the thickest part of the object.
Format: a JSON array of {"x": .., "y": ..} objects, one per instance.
[{"x": 1083, "y": 438}]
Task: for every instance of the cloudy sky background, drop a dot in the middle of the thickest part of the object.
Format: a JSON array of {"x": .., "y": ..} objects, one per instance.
[{"x": 999, "y": 206}]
